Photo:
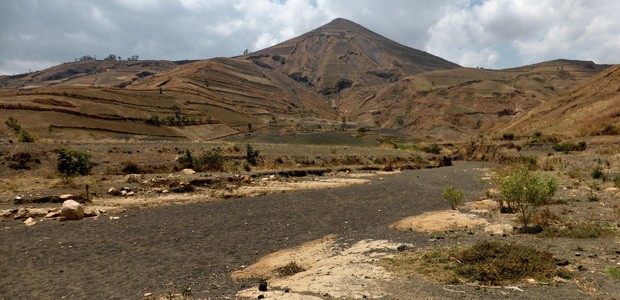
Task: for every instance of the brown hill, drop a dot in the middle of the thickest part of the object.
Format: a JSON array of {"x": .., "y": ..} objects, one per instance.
[
  {"x": 342, "y": 54},
  {"x": 591, "y": 108},
  {"x": 459, "y": 103}
]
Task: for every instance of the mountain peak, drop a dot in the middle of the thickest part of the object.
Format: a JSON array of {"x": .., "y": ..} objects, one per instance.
[{"x": 342, "y": 53}]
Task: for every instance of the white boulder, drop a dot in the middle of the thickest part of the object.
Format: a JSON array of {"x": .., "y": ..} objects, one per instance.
[{"x": 72, "y": 210}]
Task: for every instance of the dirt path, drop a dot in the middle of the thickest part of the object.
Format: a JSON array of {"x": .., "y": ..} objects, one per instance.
[{"x": 197, "y": 246}]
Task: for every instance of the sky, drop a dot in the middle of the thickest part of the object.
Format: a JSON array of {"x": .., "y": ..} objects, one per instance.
[{"x": 36, "y": 34}]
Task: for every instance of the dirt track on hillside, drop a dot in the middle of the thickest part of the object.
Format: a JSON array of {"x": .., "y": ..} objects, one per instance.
[{"x": 197, "y": 246}]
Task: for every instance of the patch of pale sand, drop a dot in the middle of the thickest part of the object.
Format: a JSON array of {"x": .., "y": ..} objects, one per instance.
[
  {"x": 488, "y": 204},
  {"x": 339, "y": 272},
  {"x": 388, "y": 172},
  {"x": 261, "y": 188},
  {"x": 362, "y": 175},
  {"x": 267, "y": 187},
  {"x": 440, "y": 221}
]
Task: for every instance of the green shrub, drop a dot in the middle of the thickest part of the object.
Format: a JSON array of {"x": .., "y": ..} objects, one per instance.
[
  {"x": 23, "y": 136},
  {"x": 251, "y": 155},
  {"x": 613, "y": 272},
  {"x": 209, "y": 161},
  {"x": 434, "y": 148},
  {"x": 568, "y": 147},
  {"x": 453, "y": 195},
  {"x": 508, "y": 136},
  {"x": 597, "y": 173},
  {"x": 524, "y": 191},
  {"x": 26, "y": 137},
  {"x": 73, "y": 162}
]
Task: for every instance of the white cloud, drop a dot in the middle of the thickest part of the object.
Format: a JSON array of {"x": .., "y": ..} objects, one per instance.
[{"x": 491, "y": 33}]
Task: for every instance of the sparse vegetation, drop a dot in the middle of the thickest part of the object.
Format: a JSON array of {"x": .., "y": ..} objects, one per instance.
[
  {"x": 524, "y": 191},
  {"x": 597, "y": 172},
  {"x": 453, "y": 195},
  {"x": 568, "y": 147},
  {"x": 23, "y": 161},
  {"x": 73, "y": 162},
  {"x": 485, "y": 262},
  {"x": 581, "y": 230},
  {"x": 23, "y": 136},
  {"x": 291, "y": 268},
  {"x": 212, "y": 160},
  {"x": 508, "y": 136},
  {"x": 495, "y": 263},
  {"x": 252, "y": 155},
  {"x": 614, "y": 272},
  {"x": 434, "y": 148}
]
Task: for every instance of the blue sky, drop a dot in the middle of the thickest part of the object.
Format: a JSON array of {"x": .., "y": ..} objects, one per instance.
[{"x": 35, "y": 34}]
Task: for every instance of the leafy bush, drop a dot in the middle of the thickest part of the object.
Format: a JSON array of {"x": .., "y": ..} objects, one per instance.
[
  {"x": 73, "y": 162},
  {"x": 453, "y": 195},
  {"x": 524, "y": 190},
  {"x": 251, "y": 155}
]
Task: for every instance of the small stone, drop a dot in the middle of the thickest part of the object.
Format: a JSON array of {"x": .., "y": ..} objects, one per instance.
[
  {"x": 262, "y": 286},
  {"x": 261, "y": 296},
  {"x": 91, "y": 212},
  {"x": 148, "y": 294},
  {"x": 114, "y": 192},
  {"x": 129, "y": 194},
  {"x": 64, "y": 197},
  {"x": 29, "y": 222},
  {"x": 72, "y": 210},
  {"x": 401, "y": 248},
  {"x": 188, "y": 171},
  {"x": 53, "y": 214},
  {"x": 21, "y": 213},
  {"x": 593, "y": 255},
  {"x": 577, "y": 254},
  {"x": 132, "y": 178},
  {"x": 562, "y": 262}
]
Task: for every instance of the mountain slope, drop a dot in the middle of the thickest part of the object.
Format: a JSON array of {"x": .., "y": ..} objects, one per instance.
[
  {"x": 459, "y": 103},
  {"x": 342, "y": 54},
  {"x": 586, "y": 109}
]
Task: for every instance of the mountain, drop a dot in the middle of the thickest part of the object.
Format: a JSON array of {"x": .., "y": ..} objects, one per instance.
[
  {"x": 590, "y": 108},
  {"x": 459, "y": 103},
  {"x": 343, "y": 54},
  {"x": 338, "y": 74}
]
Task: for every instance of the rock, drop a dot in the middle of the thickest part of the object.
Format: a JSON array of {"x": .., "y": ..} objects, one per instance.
[
  {"x": 53, "y": 213},
  {"x": 188, "y": 171},
  {"x": 498, "y": 229},
  {"x": 21, "y": 213},
  {"x": 29, "y": 222},
  {"x": 64, "y": 197},
  {"x": 36, "y": 212},
  {"x": 445, "y": 161},
  {"x": 562, "y": 262},
  {"x": 401, "y": 248},
  {"x": 114, "y": 192},
  {"x": 126, "y": 189},
  {"x": 91, "y": 212},
  {"x": 131, "y": 178},
  {"x": 72, "y": 210},
  {"x": 129, "y": 193},
  {"x": 262, "y": 286},
  {"x": 182, "y": 188}
]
